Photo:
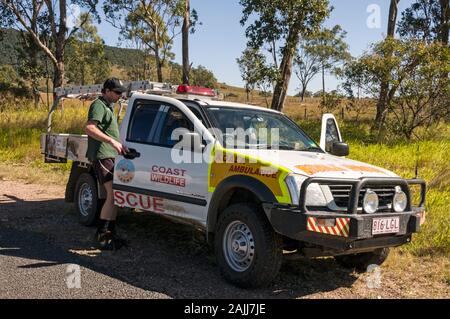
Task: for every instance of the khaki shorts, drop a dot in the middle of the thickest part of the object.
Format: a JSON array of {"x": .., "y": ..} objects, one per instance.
[{"x": 104, "y": 169}]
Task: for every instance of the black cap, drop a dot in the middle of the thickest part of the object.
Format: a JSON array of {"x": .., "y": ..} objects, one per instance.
[{"x": 114, "y": 84}]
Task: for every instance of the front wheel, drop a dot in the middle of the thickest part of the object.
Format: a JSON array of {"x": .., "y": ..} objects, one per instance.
[
  {"x": 87, "y": 203},
  {"x": 247, "y": 249},
  {"x": 362, "y": 261}
]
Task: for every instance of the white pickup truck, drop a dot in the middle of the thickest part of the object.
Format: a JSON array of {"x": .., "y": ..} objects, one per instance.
[{"x": 256, "y": 198}]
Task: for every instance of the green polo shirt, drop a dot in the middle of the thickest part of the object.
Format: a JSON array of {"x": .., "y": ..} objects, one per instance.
[{"x": 103, "y": 114}]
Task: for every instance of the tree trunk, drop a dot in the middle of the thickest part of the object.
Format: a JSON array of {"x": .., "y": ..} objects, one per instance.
[
  {"x": 323, "y": 84},
  {"x": 34, "y": 57},
  {"x": 185, "y": 40},
  {"x": 82, "y": 75},
  {"x": 58, "y": 75},
  {"x": 47, "y": 82},
  {"x": 444, "y": 23},
  {"x": 303, "y": 92},
  {"x": 158, "y": 65},
  {"x": 144, "y": 73},
  {"x": 35, "y": 80},
  {"x": 393, "y": 11},
  {"x": 160, "y": 76},
  {"x": 274, "y": 53},
  {"x": 279, "y": 94},
  {"x": 60, "y": 41},
  {"x": 281, "y": 87},
  {"x": 381, "y": 104},
  {"x": 59, "y": 72}
]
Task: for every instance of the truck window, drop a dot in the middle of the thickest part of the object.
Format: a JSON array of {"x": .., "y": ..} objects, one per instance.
[
  {"x": 197, "y": 114},
  {"x": 194, "y": 107},
  {"x": 175, "y": 119},
  {"x": 142, "y": 120}
]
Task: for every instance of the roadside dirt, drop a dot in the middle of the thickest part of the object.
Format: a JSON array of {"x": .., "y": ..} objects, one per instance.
[{"x": 40, "y": 236}]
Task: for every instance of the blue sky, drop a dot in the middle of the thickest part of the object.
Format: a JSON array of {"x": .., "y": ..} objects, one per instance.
[{"x": 221, "y": 39}]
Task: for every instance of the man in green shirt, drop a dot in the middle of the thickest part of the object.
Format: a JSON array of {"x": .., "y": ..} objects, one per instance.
[{"x": 103, "y": 146}]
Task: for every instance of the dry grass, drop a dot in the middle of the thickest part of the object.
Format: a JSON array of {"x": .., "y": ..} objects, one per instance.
[
  {"x": 421, "y": 277},
  {"x": 36, "y": 173},
  {"x": 294, "y": 107}
]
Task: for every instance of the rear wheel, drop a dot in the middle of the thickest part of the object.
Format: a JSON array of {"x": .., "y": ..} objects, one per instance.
[
  {"x": 247, "y": 249},
  {"x": 87, "y": 203},
  {"x": 362, "y": 260}
]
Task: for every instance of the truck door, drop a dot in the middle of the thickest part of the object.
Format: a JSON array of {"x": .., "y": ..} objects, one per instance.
[{"x": 155, "y": 179}]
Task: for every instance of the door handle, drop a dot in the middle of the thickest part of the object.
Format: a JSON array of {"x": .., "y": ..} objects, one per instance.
[{"x": 131, "y": 154}]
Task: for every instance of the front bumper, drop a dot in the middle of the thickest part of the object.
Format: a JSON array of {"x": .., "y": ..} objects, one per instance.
[{"x": 351, "y": 231}]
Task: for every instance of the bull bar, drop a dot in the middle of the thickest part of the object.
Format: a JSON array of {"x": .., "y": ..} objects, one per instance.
[{"x": 291, "y": 220}]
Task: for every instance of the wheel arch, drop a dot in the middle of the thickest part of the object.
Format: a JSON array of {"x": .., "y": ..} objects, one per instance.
[
  {"x": 75, "y": 172},
  {"x": 236, "y": 186}
]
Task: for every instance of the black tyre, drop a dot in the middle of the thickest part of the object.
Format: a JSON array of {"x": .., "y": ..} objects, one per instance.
[
  {"x": 248, "y": 251},
  {"x": 362, "y": 260},
  {"x": 87, "y": 203}
]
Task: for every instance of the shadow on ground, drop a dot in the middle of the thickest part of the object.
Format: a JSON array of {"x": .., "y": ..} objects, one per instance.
[{"x": 163, "y": 257}]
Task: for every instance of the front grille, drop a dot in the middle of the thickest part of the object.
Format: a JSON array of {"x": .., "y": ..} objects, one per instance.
[{"x": 341, "y": 195}]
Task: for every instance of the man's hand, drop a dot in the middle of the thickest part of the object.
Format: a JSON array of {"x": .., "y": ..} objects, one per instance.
[
  {"x": 121, "y": 149},
  {"x": 93, "y": 131}
]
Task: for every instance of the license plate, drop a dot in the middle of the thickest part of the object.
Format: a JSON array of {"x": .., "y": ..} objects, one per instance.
[{"x": 385, "y": 225}]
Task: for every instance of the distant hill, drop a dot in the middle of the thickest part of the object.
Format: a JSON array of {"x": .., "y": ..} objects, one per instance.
[
  {"x": 126, "y": 63},
  {"x": 123, "y": 57},
  {"x": 10, "y": 39}
]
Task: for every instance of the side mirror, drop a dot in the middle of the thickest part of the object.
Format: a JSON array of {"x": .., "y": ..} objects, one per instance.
[
  {"x": 329, "y": 132},
  {"x": 339, "y": 148}
]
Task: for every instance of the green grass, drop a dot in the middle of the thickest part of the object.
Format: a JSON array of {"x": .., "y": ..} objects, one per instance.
[
  {"x": 20, "y": 157},
  {"x": 433, "y": 161},
  {"x": 20, "y": 131}
]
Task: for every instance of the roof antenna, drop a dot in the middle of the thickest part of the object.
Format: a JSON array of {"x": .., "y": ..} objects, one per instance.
[{"x": 417, "y": 162}]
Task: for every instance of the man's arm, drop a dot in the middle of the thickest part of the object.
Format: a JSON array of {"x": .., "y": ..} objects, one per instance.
[{"x": 93, "y": 131}]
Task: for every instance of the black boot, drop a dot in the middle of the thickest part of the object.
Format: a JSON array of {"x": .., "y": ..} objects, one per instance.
[{"x": 106, "y": 236}]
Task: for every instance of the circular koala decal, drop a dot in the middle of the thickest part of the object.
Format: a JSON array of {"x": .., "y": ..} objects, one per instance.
[{"x": 125, "y": 171}]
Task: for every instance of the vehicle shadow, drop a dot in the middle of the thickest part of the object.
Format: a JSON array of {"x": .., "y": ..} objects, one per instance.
[{"x": 164, "y": 257}]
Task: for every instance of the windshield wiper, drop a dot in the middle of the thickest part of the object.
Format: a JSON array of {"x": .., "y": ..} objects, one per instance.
[
  {"x": 311, "y": 149},
  {"x": 276, "y": 147}
]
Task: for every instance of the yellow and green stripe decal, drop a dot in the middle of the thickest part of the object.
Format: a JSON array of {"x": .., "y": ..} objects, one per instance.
[{"x": 225, "y": 163}]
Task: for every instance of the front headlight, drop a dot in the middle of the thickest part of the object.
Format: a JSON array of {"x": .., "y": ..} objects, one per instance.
[
  {"x": 400, "y": 200},
  {"x": 314, "y": 194},
  {"x": 370, "y": 202},
  {"x": 293, "y": 183}
]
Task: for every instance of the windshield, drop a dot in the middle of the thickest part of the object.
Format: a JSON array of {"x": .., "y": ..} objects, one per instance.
[{"x": 249, "y": 128}]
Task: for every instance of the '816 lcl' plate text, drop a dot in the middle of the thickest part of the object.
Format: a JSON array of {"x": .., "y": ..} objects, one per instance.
[{"x": 385, "y": 225}]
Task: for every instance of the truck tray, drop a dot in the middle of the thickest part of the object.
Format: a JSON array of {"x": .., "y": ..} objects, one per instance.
[{"x": 62, "y": 147}]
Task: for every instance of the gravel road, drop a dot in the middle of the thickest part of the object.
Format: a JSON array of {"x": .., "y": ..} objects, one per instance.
[{"x": 41, "y": 241}]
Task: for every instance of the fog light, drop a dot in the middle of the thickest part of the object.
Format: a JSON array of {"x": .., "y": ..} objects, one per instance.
[
  {"x": 370, "y": 202},
  {"x": 400, "y": 200}
]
